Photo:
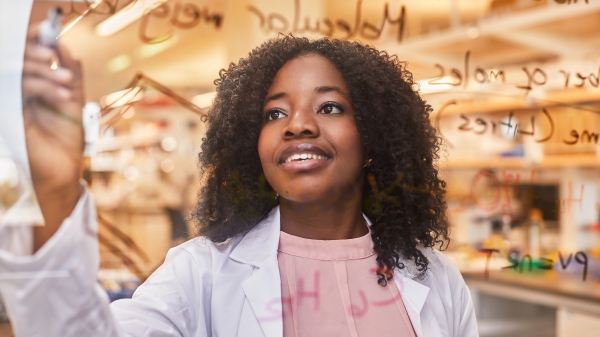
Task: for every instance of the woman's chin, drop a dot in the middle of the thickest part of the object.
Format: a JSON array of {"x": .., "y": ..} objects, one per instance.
[{"x": 317, "y": 197}]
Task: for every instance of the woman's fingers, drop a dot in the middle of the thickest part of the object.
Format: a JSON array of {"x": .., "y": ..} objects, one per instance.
[
  {"x": 51, "y": 86},
  {"x": 74, "y": 65},
  {"x": 40, "y": 54},
  {"x": 33, "y": 31},
  {"x": 44, "y": 56},
  {"x": 51, "y": 93},
  {"x": 60, "y": 75}
]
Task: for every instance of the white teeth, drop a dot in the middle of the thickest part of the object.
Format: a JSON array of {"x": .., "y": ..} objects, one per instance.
[{"x": 304, "y": 156}]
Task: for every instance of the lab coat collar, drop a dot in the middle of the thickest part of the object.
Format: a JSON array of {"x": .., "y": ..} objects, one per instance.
[
  {"x": 260, "y": 243},
  {"x": 259, "y": 249},
  {"x": 413, "y": 295}
]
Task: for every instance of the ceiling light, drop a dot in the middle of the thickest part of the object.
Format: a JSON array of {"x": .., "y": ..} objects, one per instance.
[
  {"x": 204, "y": 100},
  {"x": 473, "y": 32},
  {"x": 118, "y": 63},
  {"x": 120, "y": 98},
  {"x": 168, "y": 144},
  {"x": 126, "y": 16}
]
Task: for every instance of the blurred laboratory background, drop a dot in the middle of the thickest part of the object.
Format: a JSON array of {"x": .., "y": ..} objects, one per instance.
[{"x": 514, "y": 87}]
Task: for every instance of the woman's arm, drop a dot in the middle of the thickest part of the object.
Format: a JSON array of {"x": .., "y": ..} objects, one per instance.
[
  {"x": 175, "y": 300},
  {"x": 52, "y": 109},
  {"x": 52, "y": 290},
  {"x": 55, "y": 293}
]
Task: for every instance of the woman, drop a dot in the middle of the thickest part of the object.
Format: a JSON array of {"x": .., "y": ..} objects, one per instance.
[{"x": 319, "y": 208}]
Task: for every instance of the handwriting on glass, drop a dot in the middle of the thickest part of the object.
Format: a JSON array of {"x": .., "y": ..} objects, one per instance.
[
  {"x": 516, "y": 262},
  {"x": 531, "y": 77},
  {"x": 181, "y": 16},
  {"x": 276, "y": 22},
  {"x": 313, "y": 298},
  {"x": 189, "y": 15},
  {"x": 492, "y": 126}
]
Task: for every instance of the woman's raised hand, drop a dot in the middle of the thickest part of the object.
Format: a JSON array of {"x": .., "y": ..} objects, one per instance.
[{"x": 52, "y": 108}]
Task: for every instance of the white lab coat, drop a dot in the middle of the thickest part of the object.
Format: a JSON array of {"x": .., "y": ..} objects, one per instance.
[{"x": 202, "y": 289}]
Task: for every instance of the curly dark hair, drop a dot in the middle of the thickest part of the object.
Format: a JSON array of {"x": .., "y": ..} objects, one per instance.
[{"x": 402, "y": 194}]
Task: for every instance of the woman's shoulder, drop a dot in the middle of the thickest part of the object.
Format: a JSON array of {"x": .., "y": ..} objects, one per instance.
[
  {"x": 441, "y": 269},
  {"x": 249, "y": 248},
  {"x": 203, "y": 251}
]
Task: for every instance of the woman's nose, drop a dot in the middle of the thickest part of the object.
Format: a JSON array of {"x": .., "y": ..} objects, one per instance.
[{"x": 302, "y": 122}]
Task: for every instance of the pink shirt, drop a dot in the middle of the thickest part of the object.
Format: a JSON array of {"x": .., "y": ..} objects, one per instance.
[{"x": 336, "y": 289}]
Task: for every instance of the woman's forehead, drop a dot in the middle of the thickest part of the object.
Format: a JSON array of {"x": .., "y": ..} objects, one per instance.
[{"x": 307, "y": 70}]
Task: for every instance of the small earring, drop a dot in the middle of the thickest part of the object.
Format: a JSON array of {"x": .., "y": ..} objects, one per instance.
[
  {"x": 368, "y": 163},
  {"x": 276, "y": 196}
]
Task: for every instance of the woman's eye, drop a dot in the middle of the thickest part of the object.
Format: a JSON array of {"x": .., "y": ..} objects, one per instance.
[
  {"x": 331, "y": 108},
  {"x": 272, "y": 115}
]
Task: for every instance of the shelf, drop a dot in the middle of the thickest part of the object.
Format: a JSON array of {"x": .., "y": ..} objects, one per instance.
[
  {"x": 520, "y": 162},
  {"x": 551, "y": 289}
]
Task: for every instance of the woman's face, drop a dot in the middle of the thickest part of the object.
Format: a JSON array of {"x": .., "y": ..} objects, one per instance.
[{"x": 309, "y": 145}]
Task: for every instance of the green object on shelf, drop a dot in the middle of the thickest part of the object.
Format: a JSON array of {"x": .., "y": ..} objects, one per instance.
[{"x": 525, "y": 267}]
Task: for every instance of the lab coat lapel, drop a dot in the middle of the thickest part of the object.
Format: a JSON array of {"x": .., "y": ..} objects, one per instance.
[
  {"x": 263, "y": 291},
  {"x": 263, "y": 288},
  {"x": 413, "y": 294}
]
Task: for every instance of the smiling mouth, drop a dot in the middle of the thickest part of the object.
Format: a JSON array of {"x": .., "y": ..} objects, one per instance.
[{"x": 303, "y": 157}]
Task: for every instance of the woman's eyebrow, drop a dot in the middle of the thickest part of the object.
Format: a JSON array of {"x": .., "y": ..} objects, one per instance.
[
  {"x": 274, "y": 97},
  {"x": 329, "y": 88}
]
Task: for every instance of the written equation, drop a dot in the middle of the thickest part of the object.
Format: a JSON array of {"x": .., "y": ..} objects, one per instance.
[{"x": 517, "y": 262}]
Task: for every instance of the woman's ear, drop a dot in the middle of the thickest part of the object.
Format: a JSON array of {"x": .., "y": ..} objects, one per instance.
[{"x": 368, "y": 159}]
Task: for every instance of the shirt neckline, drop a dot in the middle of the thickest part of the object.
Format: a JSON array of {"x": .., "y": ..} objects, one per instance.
[{"x": 326, "y": 250}]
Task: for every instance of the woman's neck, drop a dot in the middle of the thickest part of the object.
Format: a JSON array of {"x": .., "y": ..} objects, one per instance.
[{"x": 323, "y": 221}]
